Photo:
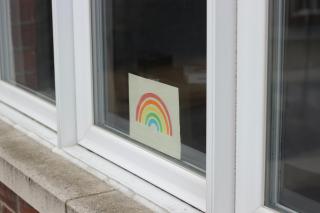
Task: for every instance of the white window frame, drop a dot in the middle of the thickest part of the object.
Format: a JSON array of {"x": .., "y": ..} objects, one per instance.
[
  {"x": 157, "y": 170},
  {"x": 72, "y": 117},
  {"x": 34, "y": 107},
  {"x": 63, "y": 39},
  {"x": 28, "y": 104},
  {"x": 216, "y": 191},
  {"x": 39, "y": 110},
  {"x": 252, "y": 47},
  {"x": 14, "y": 96}
]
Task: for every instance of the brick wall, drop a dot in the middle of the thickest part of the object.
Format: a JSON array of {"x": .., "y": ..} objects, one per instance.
[
  {"x": 23, "y": 18},
  {"x": 31, "y": 25},
  {"x": 12, "y": 203}
]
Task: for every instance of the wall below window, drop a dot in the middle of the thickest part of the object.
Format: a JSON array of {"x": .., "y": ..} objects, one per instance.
[
  {"x": 12, "y": 203},
  {"x": 33, "y": 175}
]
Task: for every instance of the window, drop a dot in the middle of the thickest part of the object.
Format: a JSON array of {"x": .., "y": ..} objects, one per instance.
[
  {"x": 27, "y": 54},
  {"x": 143, "y": 91},
  {"x": 160, "y": 47},
  {"x": 166, "y": 53},
  {"x": 294, "y": 94}
]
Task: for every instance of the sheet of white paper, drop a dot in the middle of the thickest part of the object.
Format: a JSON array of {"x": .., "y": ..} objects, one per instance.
[{"x": 154, "y": 115}]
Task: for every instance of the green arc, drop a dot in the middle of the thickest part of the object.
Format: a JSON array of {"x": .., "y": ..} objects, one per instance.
[{"x": 155, "y": 116}]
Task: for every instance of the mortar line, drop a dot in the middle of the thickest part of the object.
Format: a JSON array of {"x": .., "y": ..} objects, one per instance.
[{"x": 88, "y": 195}]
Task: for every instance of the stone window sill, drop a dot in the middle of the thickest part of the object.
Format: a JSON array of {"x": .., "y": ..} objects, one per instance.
[{"x": 52, "y": 184}]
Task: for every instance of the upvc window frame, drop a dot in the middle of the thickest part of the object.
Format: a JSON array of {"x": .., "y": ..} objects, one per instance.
[
  {"x": 173, "y": 178},
  {"x": 252, "y": 61},
  {"x": 212, "y": 193},
  {"x": 17, "y": 97},
  {"x": 72, "y": 117},
  {"x": 26, "y": 103},
  {"x": 38, "y": 109}
]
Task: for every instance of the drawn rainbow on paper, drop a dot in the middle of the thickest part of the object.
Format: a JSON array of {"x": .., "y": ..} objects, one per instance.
[{"x": 152, "y": 111}]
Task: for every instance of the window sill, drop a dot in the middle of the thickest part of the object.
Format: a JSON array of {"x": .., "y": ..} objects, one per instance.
[
  {"x": 120, "y": 179},
  {"x": 50, "y": 183},
  {"x": 266, "y": 210}
]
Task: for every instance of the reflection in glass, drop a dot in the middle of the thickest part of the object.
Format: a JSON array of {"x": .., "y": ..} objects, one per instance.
[
  {"x": 294, "y": 172},
  {"x": 161, "y": 40},
  {"x": 27, "y": 56}
]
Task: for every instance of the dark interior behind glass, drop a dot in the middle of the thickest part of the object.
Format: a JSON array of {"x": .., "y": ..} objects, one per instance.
[
  {"x": 28, "y": 54},
  {"x": 294, "y": 157},
  {"x": 162, "y": 40}
]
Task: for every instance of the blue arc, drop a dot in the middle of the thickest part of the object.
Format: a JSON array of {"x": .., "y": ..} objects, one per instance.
[{"x": 153, "y": 122}]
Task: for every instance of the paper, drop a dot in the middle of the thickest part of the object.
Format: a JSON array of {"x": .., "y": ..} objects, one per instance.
[{"x": 154, "y": 115}]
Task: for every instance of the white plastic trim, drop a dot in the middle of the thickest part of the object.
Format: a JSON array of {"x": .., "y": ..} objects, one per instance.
[
  {"x": 62, "y": 15},
  {"x": 83, "y": 66},
  {"x": 221, "y": 96},
  {"x": 157, "y": 170},
  {"x": 28, "y": 104},
  {"x": 251, "y": 104},
  {"x": 27, "y": 125},
  {"x": 265, "y": 210}
]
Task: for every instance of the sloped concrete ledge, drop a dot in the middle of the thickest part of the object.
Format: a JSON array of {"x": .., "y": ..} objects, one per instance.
[{"x": 52, "y": 184}]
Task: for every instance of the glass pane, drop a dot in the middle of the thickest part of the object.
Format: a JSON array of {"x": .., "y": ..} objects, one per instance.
[
  {"x": 161, "y": 44},
  {"x": 27, "y": 53},
  {"x": 294, "y": 97}
]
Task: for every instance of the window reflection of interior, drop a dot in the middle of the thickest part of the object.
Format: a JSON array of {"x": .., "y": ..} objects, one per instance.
[
  {"x": 29, "y": 41},
  {"x": 304, "y": 7},
  {"x": 295, "y": 114},
  {"x": 169, "y": 47}
]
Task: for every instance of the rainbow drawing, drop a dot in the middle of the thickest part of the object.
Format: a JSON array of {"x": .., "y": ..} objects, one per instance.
[{"x": 151, "y": 111}]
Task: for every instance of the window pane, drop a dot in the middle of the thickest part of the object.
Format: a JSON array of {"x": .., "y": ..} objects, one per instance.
[
  {"x": 161, "y": 44},
  {"x": 294, "y": 157},
  {"x": 27, "y": 56}
]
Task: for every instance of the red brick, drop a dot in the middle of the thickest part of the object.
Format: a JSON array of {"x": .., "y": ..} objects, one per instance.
[
  {"x": 25, "y": 207},
  {"x": 27, "y": 10},
  {"x": 14, "y": 10},
  {"x": 8, "y": 197},
  {"x": 20, "y": 79},
  {"x": 6, "y": 210},
  {"x": 16, "y": 36},
  {"x": 18, "y": 61},
  {"x": 31, "y": 80},
  {"x": 29, "y": 34},
  {"x": 29, "y": 59}
]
